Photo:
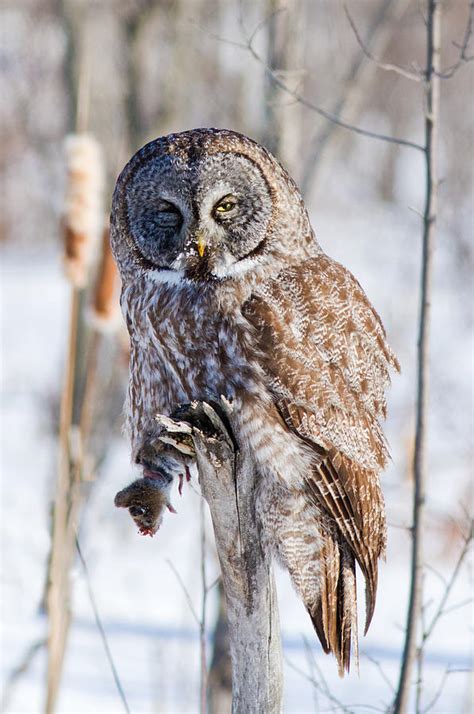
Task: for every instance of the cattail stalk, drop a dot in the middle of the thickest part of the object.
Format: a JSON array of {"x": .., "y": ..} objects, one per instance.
[{"x": 82, "y": 222}]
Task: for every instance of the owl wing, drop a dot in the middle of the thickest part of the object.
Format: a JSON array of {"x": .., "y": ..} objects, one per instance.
[{"x": 327, "y": 361}]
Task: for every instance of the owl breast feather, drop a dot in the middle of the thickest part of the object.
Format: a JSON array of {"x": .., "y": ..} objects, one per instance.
[{"x": 183, "y": 348}]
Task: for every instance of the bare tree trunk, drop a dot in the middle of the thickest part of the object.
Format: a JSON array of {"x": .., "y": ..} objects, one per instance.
[
  {"x": 282, "y": 133},
  {"x": 433, "y": 25},
  {"x": 227, "y": 480}
]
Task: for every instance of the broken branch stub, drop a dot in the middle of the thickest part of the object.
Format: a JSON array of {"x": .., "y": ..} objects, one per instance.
[{"x": 228, "y": 484}]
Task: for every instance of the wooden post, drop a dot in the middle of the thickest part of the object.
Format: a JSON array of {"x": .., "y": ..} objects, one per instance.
[{"x": 227, "y": 479}]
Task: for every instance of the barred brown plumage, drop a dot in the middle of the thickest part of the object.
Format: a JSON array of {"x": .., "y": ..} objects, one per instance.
[{"x": 242, "y": 302}]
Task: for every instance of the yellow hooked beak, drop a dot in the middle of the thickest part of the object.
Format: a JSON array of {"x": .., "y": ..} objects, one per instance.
[{"x": 201, "y": 243}]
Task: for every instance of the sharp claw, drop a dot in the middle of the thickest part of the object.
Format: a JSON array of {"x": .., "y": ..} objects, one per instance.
[
  {"x": 170, "y": 508},
  {"x": 188, "y": 473},
  {"x": 180, "y": 484}
]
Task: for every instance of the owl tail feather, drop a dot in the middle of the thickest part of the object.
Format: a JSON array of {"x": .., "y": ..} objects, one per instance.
[{"x": 334, "y": 613}]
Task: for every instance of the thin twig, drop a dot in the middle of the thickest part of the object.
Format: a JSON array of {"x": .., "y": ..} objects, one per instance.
[
  {"x": 388, "y": 67},
  {"x": 185, "y": 591},
  {"x": 324, "y": 687},
  {"x": 312, "y": 668},
  {"x": 441, "y": 686},
  {"x": 100, "y": 627},
  {"x": 441, "y": 610},
  {"x": 340, "y": 707},
  {"x": 380, "y": 669},
  {"x": 263, "y": 23},
  {"x": 420, "y": 659},
  {"x": 346, "y": 709},
  {"x": 463, "y": 58},
  {"x": 19, "y": 670},
  {"x": 457, "y": 606},
  {"x": 436, "y": 572}
]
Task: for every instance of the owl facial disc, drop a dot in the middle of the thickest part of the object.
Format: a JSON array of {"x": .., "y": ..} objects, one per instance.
[{"x": 199, "y": 217}]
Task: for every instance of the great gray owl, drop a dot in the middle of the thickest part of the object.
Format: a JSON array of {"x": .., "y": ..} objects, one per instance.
[{"x": 226, "y": 291}]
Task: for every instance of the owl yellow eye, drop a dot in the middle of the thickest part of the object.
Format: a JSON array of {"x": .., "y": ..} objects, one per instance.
[{"x": 226, "y": 205}]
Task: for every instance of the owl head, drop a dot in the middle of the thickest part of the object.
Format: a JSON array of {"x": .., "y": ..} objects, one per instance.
[{"x": 206, "y": 204}]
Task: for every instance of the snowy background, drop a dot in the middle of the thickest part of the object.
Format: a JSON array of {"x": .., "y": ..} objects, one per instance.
[{"x": 151, "y": 631}]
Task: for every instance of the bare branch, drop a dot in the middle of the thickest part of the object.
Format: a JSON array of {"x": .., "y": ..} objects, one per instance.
[
  {"x": 327, "y": 115},
  {"x": 463, "y": 58},
  {"x": 441, "y": 686},
  {"x": 388, "y": 67},
  {"x": 248, "y": 45},
  {"x": 457, "y": 606},
  {"x": 442, "y": 610}
]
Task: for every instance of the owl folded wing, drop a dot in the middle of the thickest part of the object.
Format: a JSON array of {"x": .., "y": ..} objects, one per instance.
[{"x": 327, "y": 361}]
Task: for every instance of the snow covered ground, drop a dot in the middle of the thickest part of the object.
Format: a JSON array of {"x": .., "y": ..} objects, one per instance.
[{"x": 151, "y": 631}]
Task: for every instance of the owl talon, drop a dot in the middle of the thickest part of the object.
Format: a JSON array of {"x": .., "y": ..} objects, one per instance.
[
  {"x": 170, "y": 508},
  {"x": 188, "y": 473},
  {"x": 180, "y": 484}
]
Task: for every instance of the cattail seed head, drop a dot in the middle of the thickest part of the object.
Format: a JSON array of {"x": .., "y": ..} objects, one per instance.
[
  {"x": 105, "y": 312},
  {"x": 82, "y": 220}
]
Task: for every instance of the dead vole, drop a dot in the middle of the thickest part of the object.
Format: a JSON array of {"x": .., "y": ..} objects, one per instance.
[{"x": 147, "y": 498}]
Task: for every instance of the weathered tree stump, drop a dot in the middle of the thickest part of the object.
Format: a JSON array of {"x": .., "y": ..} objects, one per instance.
[{"x": 227, "y": 481}]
